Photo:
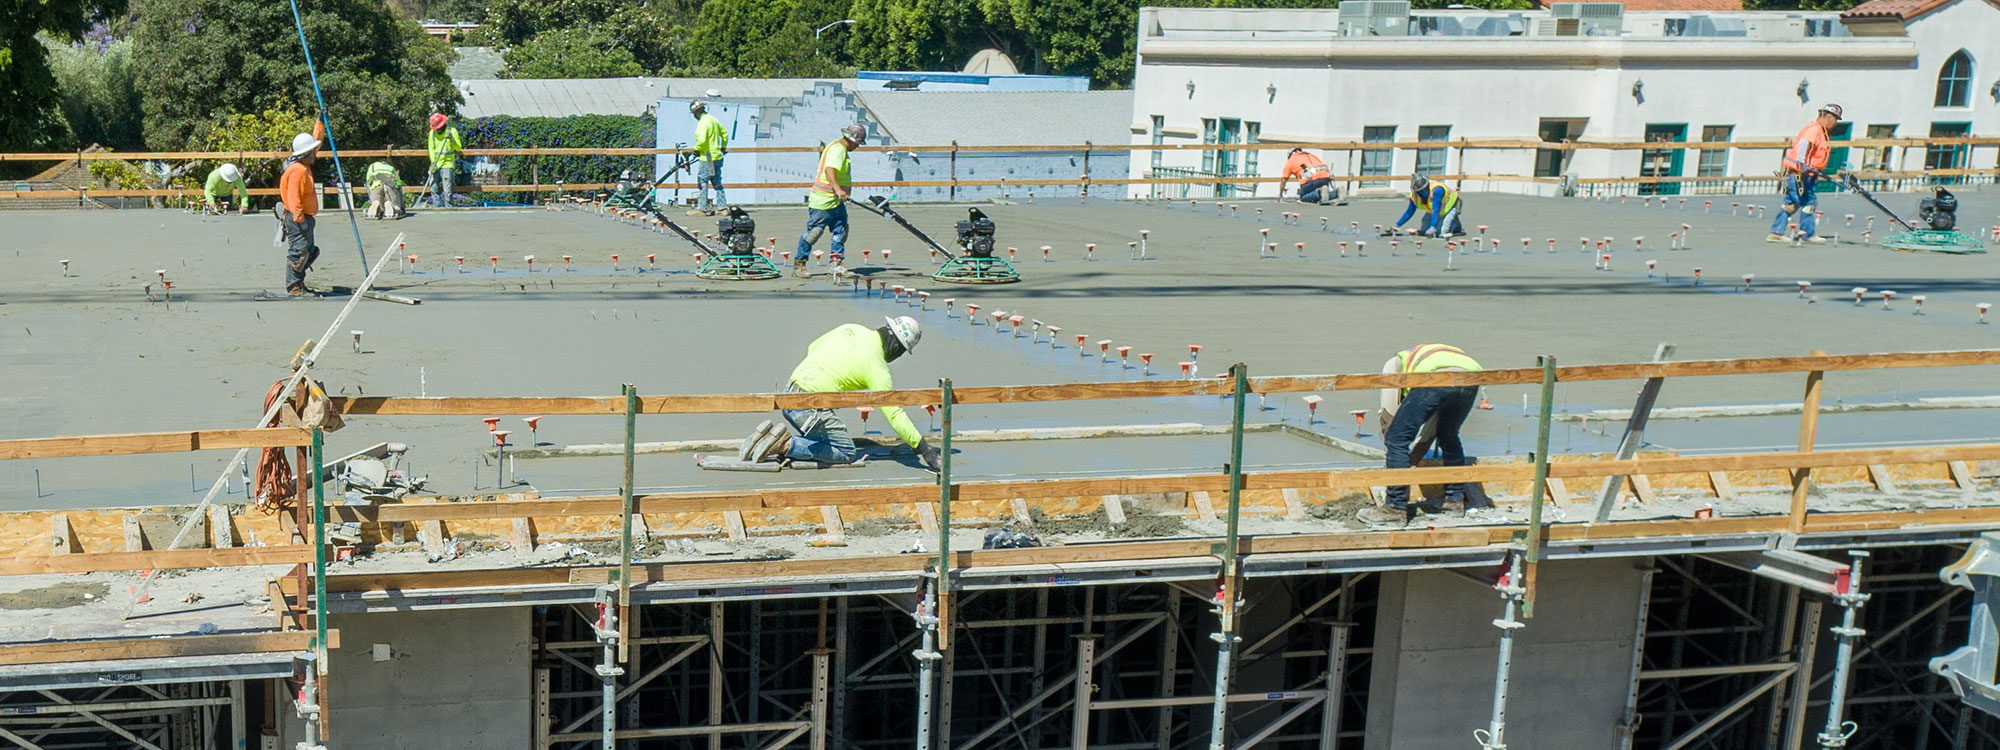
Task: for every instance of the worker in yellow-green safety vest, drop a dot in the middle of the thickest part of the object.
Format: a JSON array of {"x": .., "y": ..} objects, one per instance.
[
  {"x": 1442, "y": 408},
  {"x": 1440, "y": 206},
  {"x": 224, "y": 183},
  {"x": 826, "y": 205},
  {"x": 445, "y": 145},
  {"x": 385, "y": 191},
  {"x": 852, "y": 357},
  {"x": 711, "y": 142}
]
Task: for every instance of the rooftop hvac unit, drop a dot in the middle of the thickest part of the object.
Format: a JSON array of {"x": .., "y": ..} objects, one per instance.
[
  {"x": 1593, "y": 19},
  {"x": 1556, "y": 27},
  {"x": 1777, "y": 28},
  {"x": 1375, "y": 18},
  {"x": 1713, "y": 26}
]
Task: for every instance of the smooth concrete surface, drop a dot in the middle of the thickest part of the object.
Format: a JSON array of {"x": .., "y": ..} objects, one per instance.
[
  {"x": 1571, "y": 663},
  {"x": 455, "y": 680}
]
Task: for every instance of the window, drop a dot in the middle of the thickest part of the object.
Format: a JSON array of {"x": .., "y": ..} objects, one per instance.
[
  {"x": 1432, "y": 160},
  {"x": 1229, "y": 132},
  {"x": 1208, "y": 139},
  {"x": 1714, "y": 162},
  {"x": 1250, "y": 132},
  {"x": 1947, "y": 157},
  {"x": 1551, "y": 162},
  {"x": 1954, "y": 88},
  {"x": 1377, "y": 162},
  {"x": 1664, "y": 162},
  {"x": 1159, "y": 138},
  {"x": 1879, "y": 157}
]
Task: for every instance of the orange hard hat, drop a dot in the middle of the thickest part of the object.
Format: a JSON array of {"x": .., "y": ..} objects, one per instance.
[{"x": 437, "y": 121}]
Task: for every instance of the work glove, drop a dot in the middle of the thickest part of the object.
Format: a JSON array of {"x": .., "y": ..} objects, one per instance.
[{"x": 928, "y": 454}]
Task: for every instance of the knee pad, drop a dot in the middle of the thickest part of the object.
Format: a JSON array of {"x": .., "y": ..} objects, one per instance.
[{"x": 813, "y": 235}]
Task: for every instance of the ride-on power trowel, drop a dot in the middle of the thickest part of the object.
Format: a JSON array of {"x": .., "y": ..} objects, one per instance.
[
  {"x": 974, "y": 263},
  {"x": 1937, "y": 231}
]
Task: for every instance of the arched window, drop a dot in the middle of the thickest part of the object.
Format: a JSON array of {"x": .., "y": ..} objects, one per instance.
[{"x": 1954, "y": 87}]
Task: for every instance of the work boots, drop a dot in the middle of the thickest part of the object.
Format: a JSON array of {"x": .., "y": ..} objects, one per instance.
[{"x": 766, "y": 443}]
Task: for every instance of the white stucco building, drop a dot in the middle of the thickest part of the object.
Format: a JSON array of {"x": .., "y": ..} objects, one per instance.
[{"x": 1902, "y": 68}]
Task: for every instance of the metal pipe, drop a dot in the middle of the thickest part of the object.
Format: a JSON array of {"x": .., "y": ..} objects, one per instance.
[
  {"x": 1795, "y": 718},
  {"x": 625, "y": 533},
  {"x": 1494, "y": 737},
  {"x": 1630, "y": 725},
  {"x": 1837, "y": 728},
  {"x": 1225, "y": 636},
  {"x": 1541, "y": 491},
  {"x": 308, "y": 704},
  {"x": 927, "y": 657},
  {"x": 1336, "y": 682},
  {"x": 319, "y": 549},
  {"x": 1086, "y": 684}
]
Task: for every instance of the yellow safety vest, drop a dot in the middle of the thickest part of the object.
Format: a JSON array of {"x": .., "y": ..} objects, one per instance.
[
  {"x": 1435, "y": 357},
  {"x": 1423, "y": 198},
  {"x": 823, "y": 195}
]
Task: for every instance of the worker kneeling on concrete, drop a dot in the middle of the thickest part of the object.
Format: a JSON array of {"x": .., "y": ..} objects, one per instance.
[
  {"x": 224, "y": 185},
  {"x": 852, "y": 357},
  {"x": 385, "y": 191},
  {"x": 1438, "y": 411},
  {"x": 1439, "y": 204},
  {"x": 1315, "y": 180}
]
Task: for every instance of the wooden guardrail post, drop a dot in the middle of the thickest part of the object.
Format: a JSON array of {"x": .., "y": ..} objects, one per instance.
[
  {"x": 1539, "y": 494},
  {"x": 1808, "y": 430}
]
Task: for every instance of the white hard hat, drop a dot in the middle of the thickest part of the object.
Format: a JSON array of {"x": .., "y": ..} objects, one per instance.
[
  {"x": 302, "y": 143},
  {"x": 230, "y": 172},
  {"x": 854, "y": 132},
  {"x": 906, "y": 331},
  {"x": 697, "y": 105}
]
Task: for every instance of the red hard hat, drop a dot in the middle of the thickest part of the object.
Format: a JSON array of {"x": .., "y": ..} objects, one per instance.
[{"x": 437, "y": 121}]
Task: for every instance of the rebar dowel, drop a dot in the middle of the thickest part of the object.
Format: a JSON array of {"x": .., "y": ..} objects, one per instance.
[
  {"x": 1541, "y": 489},
  {"x": 625, "y": 534},
  {"x": 319, "y": 549},
  {"x": 1838, "y": 730}
]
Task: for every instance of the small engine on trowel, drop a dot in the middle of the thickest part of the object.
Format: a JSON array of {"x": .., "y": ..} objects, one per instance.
[
  {"x": 738, "y": 232},
  {"x": 1940, "y": 211},
  {"x": 975, "y": 235}
]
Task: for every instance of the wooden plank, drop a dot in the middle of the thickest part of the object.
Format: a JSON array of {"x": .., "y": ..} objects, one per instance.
[
  {"x": 1295, "y": 510},
  {"x": 829, "y": 520},
  {"x": 524, "y": 534},
  {"x": 161, "y": 648},
  {"x": 222, "y": 532},
  {"x": 640, "y": 532},
  {"x": 1204, "y": 507},
  {"x": 153, "y": 442},
  {"x": 1961, "y": 475},
  {"x": 1808, "y": 432},
  {"x": 1882, "y": 479},
  {"x": 432, "y": 535},
  {"x": 1114, "y": 509},
  {"x": 61, "y": 537},
  {"x": 734, "y": 520},
  {"x": 927, "y": 519},
  {"x": 1719, "y": 482},
  {"x": 1021, "y": 514},
  {"x": 135, "y": 537},
  {"x": 1558, "y": 492},
  {"x": 88, "y": 562},
  {"x": 1642, "y": 488}
]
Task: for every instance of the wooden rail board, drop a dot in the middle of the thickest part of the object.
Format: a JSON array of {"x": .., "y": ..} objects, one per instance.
[
  {"x": 162, "y": 648},
  {"x": 154, "y": 442},
  {"x": 89, "y": 562}
]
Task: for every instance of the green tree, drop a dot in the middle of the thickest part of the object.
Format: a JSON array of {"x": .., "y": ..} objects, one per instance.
[
  {"x": 30, "y": 109},
  {"x": 255, "y": 132},
  {"x": 651, "y": 32},
  {"x": 100, "y": 93},
  {"x": 582, "y": 52},
  {"x": 203, "y": 60}
]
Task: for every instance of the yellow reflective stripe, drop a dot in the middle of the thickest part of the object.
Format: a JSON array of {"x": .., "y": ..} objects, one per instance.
[{"x": 1416, "y": 358}]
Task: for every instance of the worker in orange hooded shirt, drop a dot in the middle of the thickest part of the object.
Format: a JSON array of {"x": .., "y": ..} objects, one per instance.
[{"x": 298, "y": 209}]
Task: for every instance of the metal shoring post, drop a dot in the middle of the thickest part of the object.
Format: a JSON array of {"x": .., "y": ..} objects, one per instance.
[
  {"x": 942, "y": 611},
  {"x": 1541, "y": 491},
  {"x": 1336, "y": 679},
  {"x": 308, "y": 704},
  {"x": 822, "y": 671},
  {"x": 839, "y": 706},
  {"x": 1787, "y": 630},
  {"x": 319, "y": 550},
  {"x": 1630, "y": 726},
  {"x": 1225, "y": 636},
  {"x": 1086, "y": 683},
  {"x": 715, "y": 674},
  {"x": 625, "y": 533},
  {"x": 1494, "y": 736},
  {"x": 608, "y": 670},
  {"x": 1850, "y": 602},
  {"x": 1795, "y": 718},
  {"x": 1170, "y": 651},
  {"x": 927, "y": 658}
]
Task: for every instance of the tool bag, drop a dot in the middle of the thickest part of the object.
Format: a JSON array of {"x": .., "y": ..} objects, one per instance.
[{"x": 307, "y": 406}]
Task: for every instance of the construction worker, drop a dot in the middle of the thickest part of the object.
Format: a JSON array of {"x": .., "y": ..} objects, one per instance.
[
  {"x": 298, "y": 204},
  {"x": 1315, "y": 181},
  {"x": 826, "y": 206},
  {"x": 1442, "y": 409},
  {"x": 385, "y": 191},
  {"x": 1439, "y": 204},
  {"x": 223, "y": 183},
  {"x": 852, "y": 357},
  {"x": 445, "y": 145},
  {"x": 1802, "y": 166},
  {"x": 711, "y": 141}
]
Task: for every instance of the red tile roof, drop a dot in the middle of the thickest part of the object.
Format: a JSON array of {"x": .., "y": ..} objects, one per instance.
[
  {"x": 1903, "y": 9},
  {"x": 1673, "y": 5}
]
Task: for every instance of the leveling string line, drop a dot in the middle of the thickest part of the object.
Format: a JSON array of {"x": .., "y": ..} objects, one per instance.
[{"x": 339, "y": 174}]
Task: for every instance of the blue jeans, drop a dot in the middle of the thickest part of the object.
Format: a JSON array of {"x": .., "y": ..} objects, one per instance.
[
  {"x": 831, "y": 220},
  {"x": 709, "y": 174},
  {"x": 820, "y": 436},
  {"x": 1800, "y": 194},
  {"x": 1447, "y": 224},
  {"x": 1316, "y": 191},
  {"x": 300, "y": 252},
  {"x": 442, "y": 177},
  {"x": 1451, "y": 405}
]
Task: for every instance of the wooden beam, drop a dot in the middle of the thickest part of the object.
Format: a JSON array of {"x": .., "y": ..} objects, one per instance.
[
  {"x": 1808, "y": 432},
  {"x": 1882, "y": 479},
  {"x": 1204, "y": 507},
  {"x": 1295, "y": 510},
  {"x": 91, "y": 562},
  {"x": 62, "y": 537},
  {"x": 927, "y": 519},
  {"x": 1642, "y": 488},
  {"x": 135, "y": 536},
  {"x": 1719, "y": 481},
  {"x": 1114, "y": 509},
  {"x": 153, "y": 442},
  {"x": 733, "y": 519},
  {"x": 1020, "y": 507},
  {"x": 221, "y": 532},
  {"x": 523, "y": 537},
  {"x": 829, "y": 519},
  {"x": 1558, "y": 492},
  {"x": 1961, "y": 475},
  {"x": 161, "y": 648}
]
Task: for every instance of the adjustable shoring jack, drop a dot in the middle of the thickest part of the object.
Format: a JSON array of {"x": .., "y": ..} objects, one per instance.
[
  {"x": 927, "y": 658},
  {"x": 608, "y": 670},
  {"x": 308, "y": 703},
  {"x": 1838, "y": 730},
  {"x": 1494, "y": 736}
]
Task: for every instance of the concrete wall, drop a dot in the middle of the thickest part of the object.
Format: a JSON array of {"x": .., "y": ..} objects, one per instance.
[
  {"x": 1436, "y": 649},
  {"x": 1305, "y": 87},
  {"x": 454, "y": 679}
]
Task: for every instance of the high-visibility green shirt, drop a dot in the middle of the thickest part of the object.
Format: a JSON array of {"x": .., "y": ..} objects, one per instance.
[
  {"x": 445, "y": 145},
  {"x": 1432, "y": 358},
  {"x": 709, "y": 137},
  {"x": 835, "y": 156},
  {"x": 849, "y": 358},
  {"x": 383, "y": 173},
  {"x": 218, "y": 187}
]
